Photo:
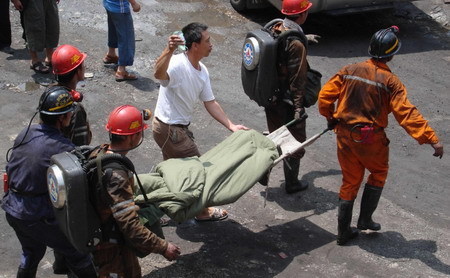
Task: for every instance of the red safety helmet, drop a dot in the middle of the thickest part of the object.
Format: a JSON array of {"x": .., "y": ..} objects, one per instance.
[
  {"x": 127, "y": 120},
  {"x": 66, "y": 58},
  {"x": 293, "y": 7}
]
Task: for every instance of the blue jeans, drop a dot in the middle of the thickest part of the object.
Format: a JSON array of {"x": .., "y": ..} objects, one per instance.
[
  {"x": 35, "y": 236},
  {"x": 121, "y": 36}
]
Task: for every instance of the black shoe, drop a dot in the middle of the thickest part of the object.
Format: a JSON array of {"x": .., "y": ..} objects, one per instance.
[{"x": 296, "y": 187}]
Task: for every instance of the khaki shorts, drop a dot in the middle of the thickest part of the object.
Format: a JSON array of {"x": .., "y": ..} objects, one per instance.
[{"x": 175, "y": 141}]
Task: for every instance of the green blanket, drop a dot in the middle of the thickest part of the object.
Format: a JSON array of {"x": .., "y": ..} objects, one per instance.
[{"x": 182, "y": 187}]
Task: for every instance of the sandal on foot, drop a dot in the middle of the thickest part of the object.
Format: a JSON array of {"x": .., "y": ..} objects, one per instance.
[
  {"x": 39, "y": 67},
  {"x": 217, "y": 215},
  {"x": 123, "y": 76},
  {"x": 110, "y": 59},
  {"x": 48, "y": 63}
]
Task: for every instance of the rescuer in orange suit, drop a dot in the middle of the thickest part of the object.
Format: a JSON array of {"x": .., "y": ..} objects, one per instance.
[{"x": 366, "y": 93}]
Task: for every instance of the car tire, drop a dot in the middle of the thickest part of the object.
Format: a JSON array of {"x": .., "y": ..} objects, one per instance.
[{"x": 239, "y": 5}]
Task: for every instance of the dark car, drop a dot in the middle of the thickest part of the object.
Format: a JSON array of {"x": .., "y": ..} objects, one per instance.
[{"x": 327, "y": 6}]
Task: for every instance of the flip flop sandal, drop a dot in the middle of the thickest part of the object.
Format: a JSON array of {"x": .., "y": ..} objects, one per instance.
[
  {"x": 110, "y": 60},
  {"x": 124, "y": 76},
  {"x": 217, "y": 215},
  {"x": 39, "y": 67},
  {"x": 48, "y": 64}
]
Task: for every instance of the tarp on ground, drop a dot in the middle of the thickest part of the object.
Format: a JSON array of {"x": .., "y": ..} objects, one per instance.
[{"x": 182, "y": 187}]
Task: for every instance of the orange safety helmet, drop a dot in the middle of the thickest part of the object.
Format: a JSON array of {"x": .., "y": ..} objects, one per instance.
[
  {"x": 66, "y": 58},
  {"x": 293, "y": 7},
  {"x": 127, "y": 120}
]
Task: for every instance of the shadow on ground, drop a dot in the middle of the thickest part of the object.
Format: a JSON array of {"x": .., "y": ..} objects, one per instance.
[
  {"x": 232, "y": 250},
  {"x": 418, "y": 31}
]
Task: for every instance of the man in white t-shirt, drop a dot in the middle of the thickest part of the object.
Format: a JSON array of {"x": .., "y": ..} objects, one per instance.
[{"x": 184, "y": 82}]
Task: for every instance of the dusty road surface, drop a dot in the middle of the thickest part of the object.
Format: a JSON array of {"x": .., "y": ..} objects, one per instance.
[{"x": 293, "y": 235}]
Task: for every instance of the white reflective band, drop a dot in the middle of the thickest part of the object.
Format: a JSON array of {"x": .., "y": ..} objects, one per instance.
[
  {"x": 122, "y": 204},
  {"x": 367, "y": 81},
  {"x": 122, "y": 211}
]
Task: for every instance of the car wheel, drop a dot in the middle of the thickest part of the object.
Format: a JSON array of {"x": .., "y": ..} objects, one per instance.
[{"x": 239, "y": 5}]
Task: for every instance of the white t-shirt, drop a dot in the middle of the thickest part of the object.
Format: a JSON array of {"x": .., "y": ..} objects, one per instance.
[{"x": 178, "y": 96}]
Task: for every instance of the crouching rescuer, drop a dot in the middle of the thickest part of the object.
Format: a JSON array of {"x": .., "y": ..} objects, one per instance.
[
  {"x": 124, "y": 237},
  {"x": 366, "y": 93}
]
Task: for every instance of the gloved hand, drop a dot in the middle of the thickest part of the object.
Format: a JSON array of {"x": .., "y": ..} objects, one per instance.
[
  {"x": 313, "y": 38},
  {"x": 300, "y": 115},
  {"x": 331, "y": 123}
]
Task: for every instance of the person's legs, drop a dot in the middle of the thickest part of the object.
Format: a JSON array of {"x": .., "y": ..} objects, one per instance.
[
  {"x": 111, "y": 56},
  {"x": 126, "y": 40},
  {"x": 278, "y": 115},
  {"x": 34, "y": 22},
  {"x": 32, "y": 250},
  {"x": 352, "y": 176},
  {"x": 378, "y": 165},
  {"x": 123, "y": 23},
  {"x": 48, "y": 56},
  {"x": 345, "y": 232},
  {"x": 298, "y": 131},
  {"x": 5, "y": 30},
  {"x": 352, "y": 168},
  {"x": 50, "y": 234},
  {"x": 59, "y": 265},
  {"x": 51, "y": 29}
]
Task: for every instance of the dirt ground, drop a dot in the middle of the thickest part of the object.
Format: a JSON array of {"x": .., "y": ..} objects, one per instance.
[{"x": 287, "y": 235}]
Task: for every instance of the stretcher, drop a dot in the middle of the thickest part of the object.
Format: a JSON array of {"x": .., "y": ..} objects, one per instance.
[{"x": 181, "y": 188}]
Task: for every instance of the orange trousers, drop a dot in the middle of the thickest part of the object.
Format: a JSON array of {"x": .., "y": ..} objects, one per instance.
[{"x": 355, "y": 157}]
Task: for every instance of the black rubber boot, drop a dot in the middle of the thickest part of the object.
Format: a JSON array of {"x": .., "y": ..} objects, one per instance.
[
  {"x": 87, "y": 272},
  {"x": 369, "y": 203},
  {"x": 291, "y": 167},
  {"x": 345, "y": 232},
  {"x": 26, "y": 273},
  {"x": 59, "y": 265}
]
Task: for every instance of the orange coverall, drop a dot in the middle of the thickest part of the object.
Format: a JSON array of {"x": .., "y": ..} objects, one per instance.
[{"x": 366, "y": 93}]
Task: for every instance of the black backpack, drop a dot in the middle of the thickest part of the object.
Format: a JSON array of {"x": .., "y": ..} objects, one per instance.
[
  {"x": 73, "y": 180},
  {"x": 259, "y": 70}
]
